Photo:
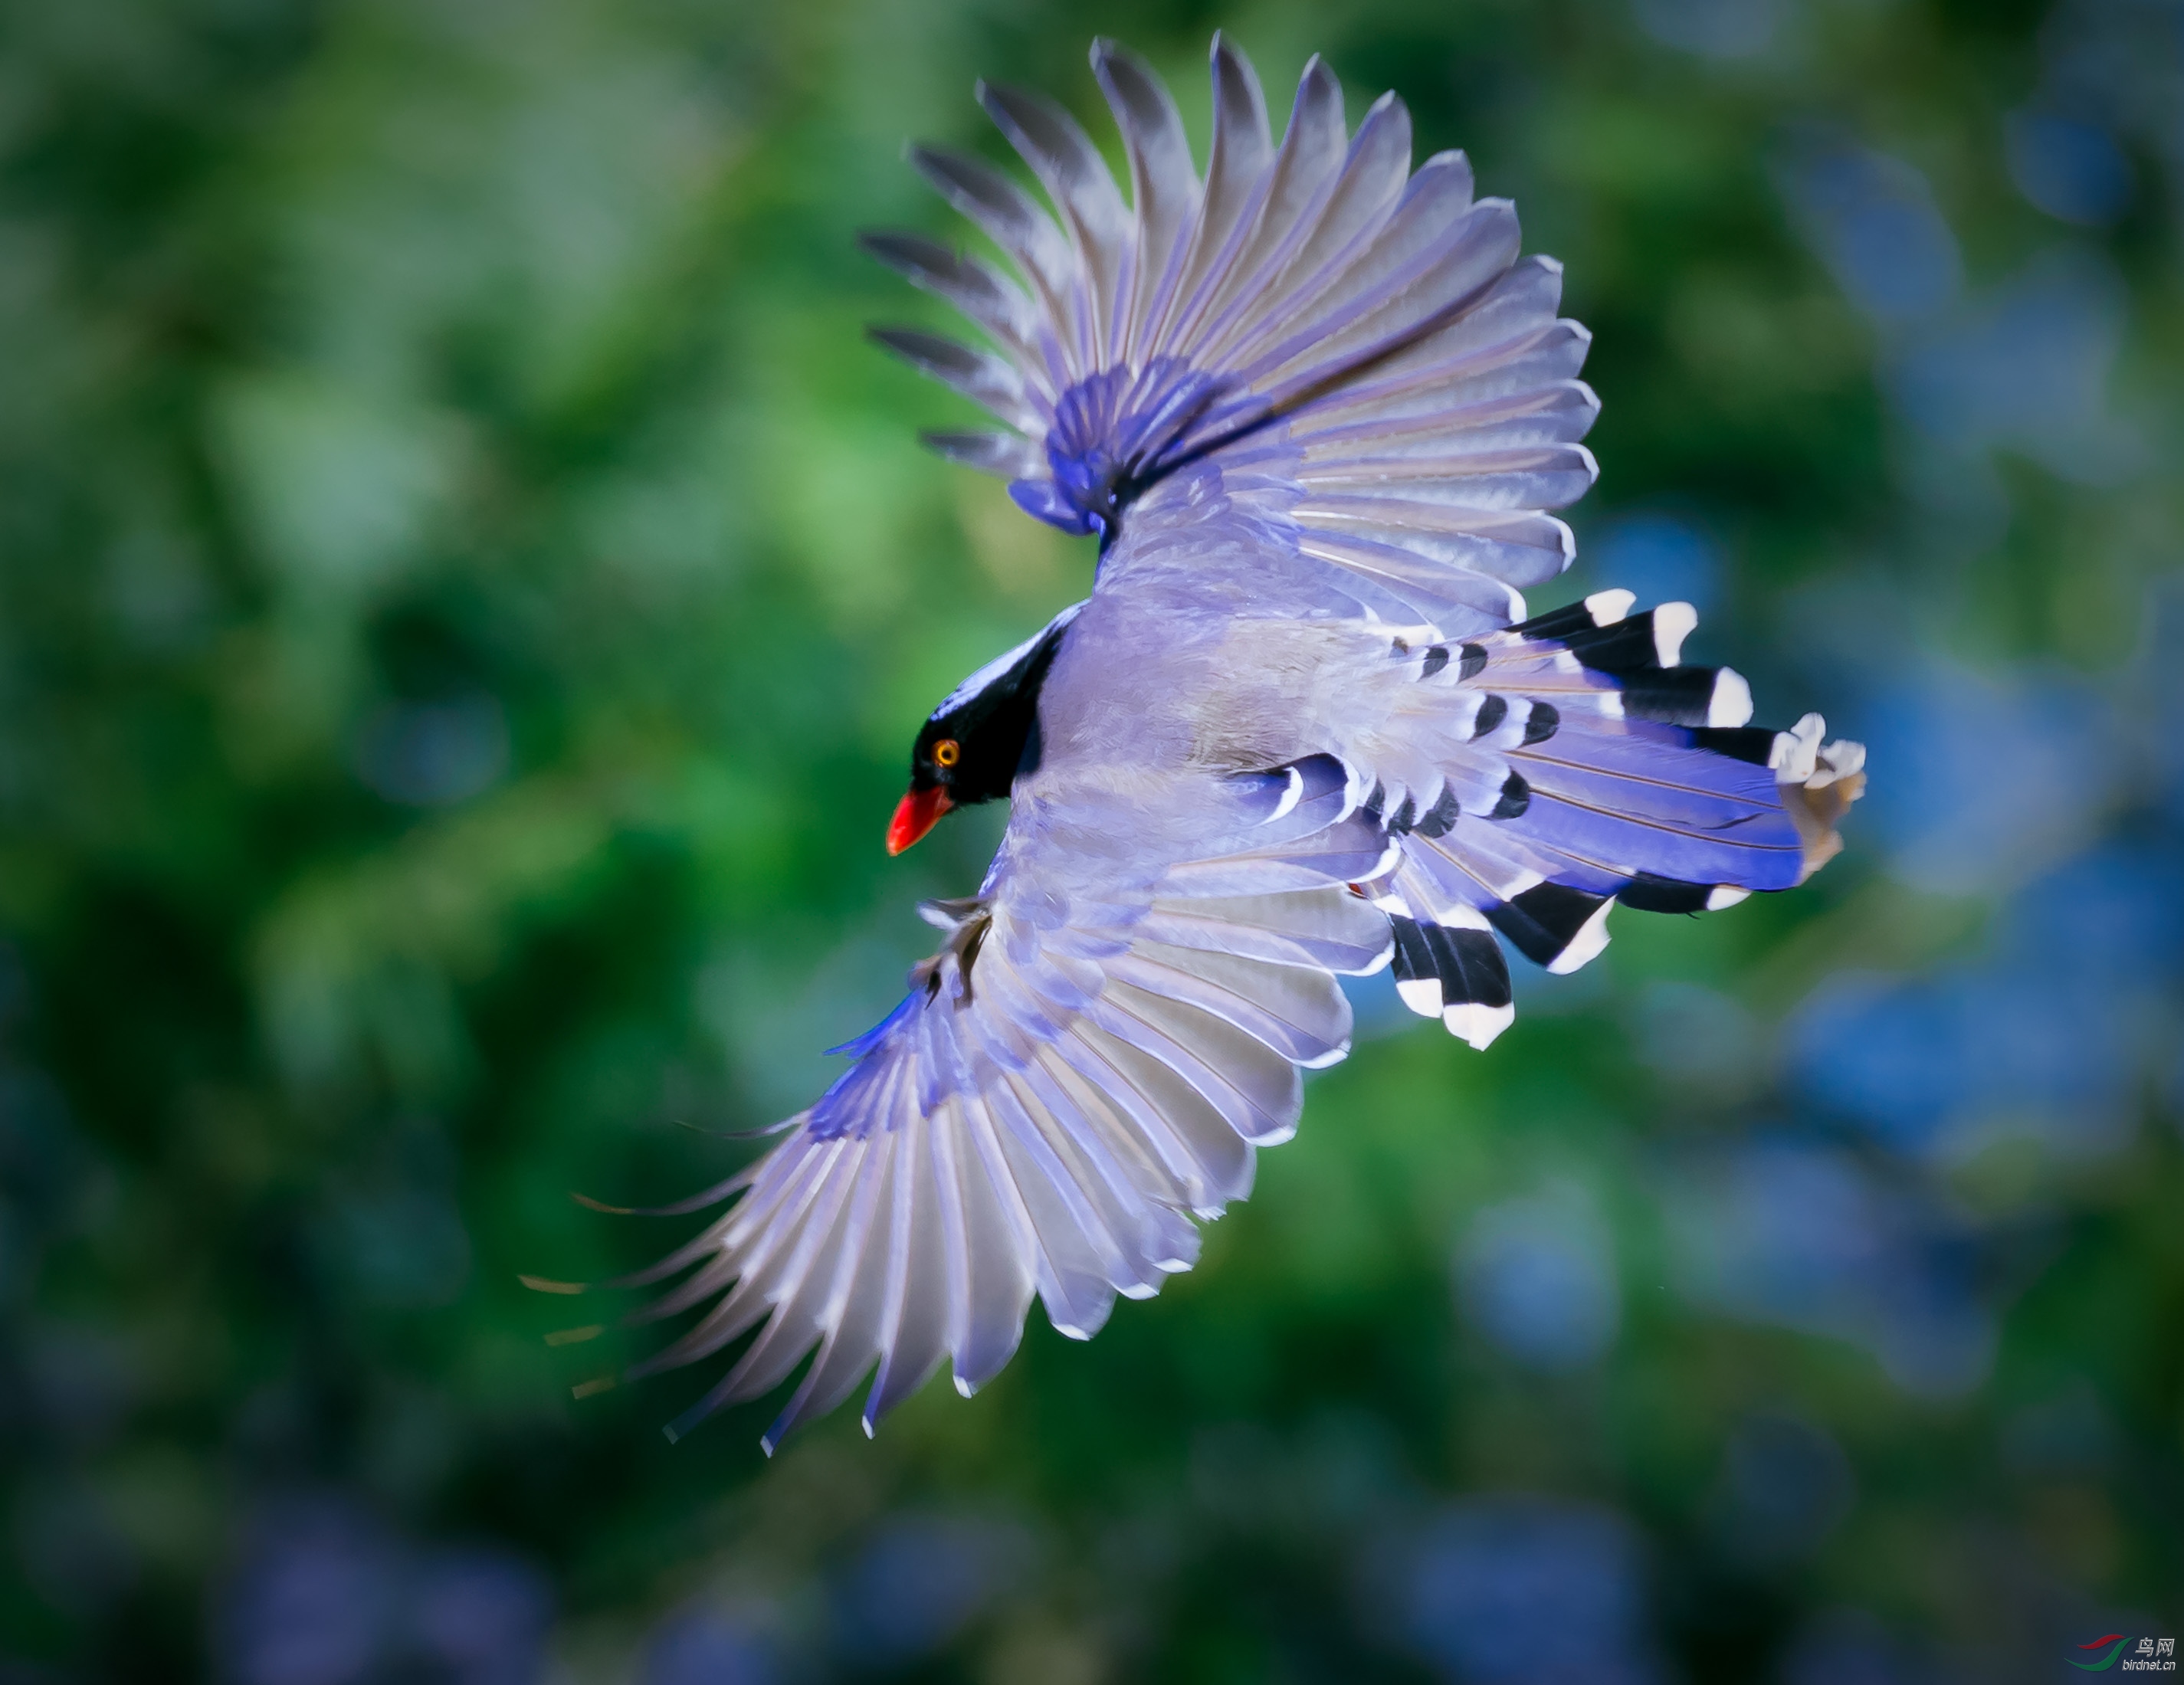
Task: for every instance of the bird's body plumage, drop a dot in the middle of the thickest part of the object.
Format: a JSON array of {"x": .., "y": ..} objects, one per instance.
[{"x": 1319, "y": 411}]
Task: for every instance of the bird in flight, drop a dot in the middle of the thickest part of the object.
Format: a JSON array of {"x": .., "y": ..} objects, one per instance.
[{"x": 1317, "y": 410}]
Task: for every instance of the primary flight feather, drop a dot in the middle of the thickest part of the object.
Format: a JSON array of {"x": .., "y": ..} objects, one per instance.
[{"x": 1318, "y": 410}]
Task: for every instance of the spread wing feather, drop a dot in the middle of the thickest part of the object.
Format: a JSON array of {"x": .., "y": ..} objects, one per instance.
[
  {"x": 1355, "y": 349},
  {"x": 1067, "y": 1085}
]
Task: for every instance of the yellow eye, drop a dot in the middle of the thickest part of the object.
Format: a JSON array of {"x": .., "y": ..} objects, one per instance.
[{"x": 947, "y": 752}]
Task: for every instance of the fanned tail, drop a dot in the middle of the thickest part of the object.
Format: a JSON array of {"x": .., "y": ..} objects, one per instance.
[{"x": 1568, "y": 764}]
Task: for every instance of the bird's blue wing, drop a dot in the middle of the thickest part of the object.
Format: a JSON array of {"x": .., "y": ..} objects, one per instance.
[
  {"x": 1089, "y": 1062},
  {"x": 1357, "y": 348}
]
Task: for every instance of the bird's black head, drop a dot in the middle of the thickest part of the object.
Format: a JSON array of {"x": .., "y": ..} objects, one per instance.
[{"x": 980, "y": 738}]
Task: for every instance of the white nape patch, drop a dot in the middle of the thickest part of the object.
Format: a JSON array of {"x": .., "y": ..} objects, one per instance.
[
  {"x": 1796, "y": 753},
  {"x": 1380, "y": 965},
  {"x": 1422, "y": 995},
  {"x": 1393, "y": 904},
  {"x": 1000, "y": 664},
  {"x": 1607, "y": 607},
  {"x": 1673, "y": 622},
  {"x": 1592, "y": 937},
  {"x": 1479, "y": 1025},
  {"x": 1731, "y": 704},
  {"x": 1291, "y": 796},
  {"x": 1726, "y": 895},
  {"x": 1461, "y": 915}
]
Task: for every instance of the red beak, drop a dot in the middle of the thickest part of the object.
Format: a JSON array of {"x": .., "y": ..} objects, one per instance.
[{"x": 915, "y": 814}]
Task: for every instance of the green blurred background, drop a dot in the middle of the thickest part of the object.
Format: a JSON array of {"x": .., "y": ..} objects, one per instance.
[{"x": 466, "y": 594}]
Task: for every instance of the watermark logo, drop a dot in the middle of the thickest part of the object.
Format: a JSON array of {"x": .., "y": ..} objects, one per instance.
[{"x": 2147, "y": 1655}]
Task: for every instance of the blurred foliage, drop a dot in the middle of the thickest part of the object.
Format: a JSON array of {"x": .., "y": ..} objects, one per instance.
[{"x": 466, "y": 593}]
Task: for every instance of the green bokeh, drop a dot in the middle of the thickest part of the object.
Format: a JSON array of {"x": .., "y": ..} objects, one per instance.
[{"x": 505, "y": 357}]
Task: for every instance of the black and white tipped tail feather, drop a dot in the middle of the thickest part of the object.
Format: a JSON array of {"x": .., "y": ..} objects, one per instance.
[{"x": 1583, "y": 765}]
